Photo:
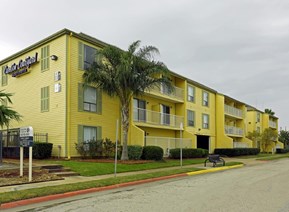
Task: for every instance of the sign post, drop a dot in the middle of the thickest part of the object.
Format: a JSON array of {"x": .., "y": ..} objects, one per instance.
[
  {"x": 26, "y": 140},
  {"x": 181, "y": 144}
]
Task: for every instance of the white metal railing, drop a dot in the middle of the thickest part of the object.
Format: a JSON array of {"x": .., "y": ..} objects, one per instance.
[
  {"x": 233, "y": 111},
  {"x": 157, "y": 118},
  {"x": 233, "y": 130},
  {"x": 272, "y": 124},
  {"x": 177, "y": 93},
  {"x": 240, "y": 145},
  {"x": 167, "y": 143}
]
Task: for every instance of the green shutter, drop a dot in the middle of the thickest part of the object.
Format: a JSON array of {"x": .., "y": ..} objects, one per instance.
[
  {"x": 80, "y": 97},
  {"x": 80, "y": 133},
  {"x": 80, "y": 56},
  {"x": 45, "y": 99},
  {"x": 98, "y": 133},
  {"x": 47, "y": 57},
  {"x": 99, "y": 100}
]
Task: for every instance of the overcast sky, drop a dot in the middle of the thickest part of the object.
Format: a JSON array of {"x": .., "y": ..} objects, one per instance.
[{"x": 237, "y": 47}]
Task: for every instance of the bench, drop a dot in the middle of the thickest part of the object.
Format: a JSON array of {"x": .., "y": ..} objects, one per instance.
[{"x": 214, "y": 159}]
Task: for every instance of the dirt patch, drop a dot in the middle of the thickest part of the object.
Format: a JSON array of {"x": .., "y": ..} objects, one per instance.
[{"x": 12, "y": 176}]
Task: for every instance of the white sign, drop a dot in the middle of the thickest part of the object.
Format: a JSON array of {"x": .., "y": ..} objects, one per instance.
[
  {"x": 26, "y": 131},
  {"x": 26, "y": 136}
]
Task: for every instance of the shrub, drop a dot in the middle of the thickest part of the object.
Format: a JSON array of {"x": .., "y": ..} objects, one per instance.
[
  {"x": 108, "y": 148},
  {"x": 42, "y": 150},
  {"x": 282, "y": 151},
  {"x": 231, "y": 152},
  {"x": 92, "y": 148},
  {"x": 188, "y": 153},
  {"x": 134, "y": 152},
  {"x": 152, "y": 153}
]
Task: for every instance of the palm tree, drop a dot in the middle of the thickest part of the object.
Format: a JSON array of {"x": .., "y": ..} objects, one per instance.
[
  {"x": 6, "y": 113},
  {"x": 125, "y": 74},
  {"x": 270, "y": 112}
]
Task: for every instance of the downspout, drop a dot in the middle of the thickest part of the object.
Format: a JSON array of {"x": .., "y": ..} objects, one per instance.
[{"x": 68, "y": 103}]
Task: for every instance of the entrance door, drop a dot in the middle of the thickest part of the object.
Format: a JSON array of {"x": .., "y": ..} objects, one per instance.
[{"x": 203, "y": 142}]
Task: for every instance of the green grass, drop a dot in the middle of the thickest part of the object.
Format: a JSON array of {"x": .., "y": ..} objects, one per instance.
[
  {"x": 38, "y": 192},
  {"x": 273, "y": 157},
  {"x": 94, "y": 169}
]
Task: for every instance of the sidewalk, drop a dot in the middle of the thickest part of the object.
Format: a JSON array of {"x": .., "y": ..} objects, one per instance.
[{"x": 79, "y": 179}]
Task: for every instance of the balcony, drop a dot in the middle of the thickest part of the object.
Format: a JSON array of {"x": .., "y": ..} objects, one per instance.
[
  {"x": 273, "y": 124},
  {"x": 234, "y": 131},
  {"x": 167, "y": 143},
  {"x": 152, "y": 118},
  {"x": 232, "y": 111},
  {"x": 177, "y": 95}
]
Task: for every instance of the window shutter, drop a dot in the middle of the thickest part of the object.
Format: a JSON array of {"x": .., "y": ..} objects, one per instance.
[
  {"x": 80, "y": 97},
  {"x": 47, "y": 98},
  {"x": 98, "y": 133},
  {"x": 80, "y": 56},
  {"x": 80, "y": 133},
  {"x": 99, "y": 100}
]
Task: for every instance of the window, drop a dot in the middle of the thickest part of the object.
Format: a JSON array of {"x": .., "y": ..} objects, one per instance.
[
  {"x": 44, "y": 58},
  {"x": 4, "y": 77},
  {"x": 139, "y": 110},
  {"x": 205, "y": 121},
  {"x": 45, "y": 99},
  {"x": 86, "y": 56},
  {"x": 191, "y": 94},
  {"x": 205, "y": 98},
  {"x": 165, "y": 115},
  {"x": 89, "y": 99},
  {"x": 88, "y": 133},
  {"x": 191, "y": 118},
  {"x": 258, "y": 117}
]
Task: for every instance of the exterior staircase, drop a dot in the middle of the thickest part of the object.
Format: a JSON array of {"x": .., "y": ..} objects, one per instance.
[{"x": 59, "y": 170}]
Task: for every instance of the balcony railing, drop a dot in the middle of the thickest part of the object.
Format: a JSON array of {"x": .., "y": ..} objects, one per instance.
[
  {"x": 167, "y": 143},
  {"x": 272, "y": 124},
  {"x": 240, "y": 145},
  {"x": 233, "y": 130},
  {"x": 156, "y": 118},
  {"x": 177, "y": 93},
  {"x": 233, "y": 111}
]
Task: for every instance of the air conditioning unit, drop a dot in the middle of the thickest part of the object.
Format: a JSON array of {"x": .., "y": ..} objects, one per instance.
[
  {"x": 57, "y": 76},
  {"x": 57, "y": 87}
]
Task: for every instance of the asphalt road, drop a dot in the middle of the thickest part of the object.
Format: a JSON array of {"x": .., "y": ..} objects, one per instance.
[{"x": 256, "y": 188}]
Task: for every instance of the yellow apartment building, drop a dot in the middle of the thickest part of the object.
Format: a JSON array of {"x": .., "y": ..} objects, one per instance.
[
  {"x": 231, "y": 123},
  {"x": 46, "y": 80},
  {"x": 259, "y": 121}
]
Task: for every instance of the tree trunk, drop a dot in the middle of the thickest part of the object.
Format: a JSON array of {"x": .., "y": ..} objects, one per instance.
[{"x": 125, "y": 127}]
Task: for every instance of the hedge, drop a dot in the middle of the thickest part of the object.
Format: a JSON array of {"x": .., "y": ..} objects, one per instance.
[
  {"x": 282, "y": 151},
  {"x": 152, "y": 153},
  {"x": 42, "y": 150},
  {"x": 134, "y": 152},
  {"x": 188, "y": 153},
  {"x": 237, "y": 151}
]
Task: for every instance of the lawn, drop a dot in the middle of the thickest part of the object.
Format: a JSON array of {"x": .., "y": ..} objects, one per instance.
[{"x": 97, "y": 168}]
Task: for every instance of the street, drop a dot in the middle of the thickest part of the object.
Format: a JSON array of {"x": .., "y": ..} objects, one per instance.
[{"x": 256, "y": 188}]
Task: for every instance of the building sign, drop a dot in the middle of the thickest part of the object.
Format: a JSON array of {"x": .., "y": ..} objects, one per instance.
[
  {"x": 26, "y": 137},
  {"x": 22, "y": 67}
]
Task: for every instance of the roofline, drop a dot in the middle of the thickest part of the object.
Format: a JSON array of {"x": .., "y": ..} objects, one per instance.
[
  {"x": 194, "y": 82},
  {"x": 58, "y": 34}
]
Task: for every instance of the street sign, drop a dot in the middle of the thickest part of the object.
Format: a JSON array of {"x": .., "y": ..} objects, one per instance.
[{"x": 26, "y": 137}]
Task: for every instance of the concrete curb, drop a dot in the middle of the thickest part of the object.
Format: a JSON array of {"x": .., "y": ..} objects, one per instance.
[
  {"x": 214, "y": 170},
  {"x": 10, "y": 205}
]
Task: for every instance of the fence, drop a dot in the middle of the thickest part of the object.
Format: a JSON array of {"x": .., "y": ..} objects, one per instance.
[
  {"x": 10, "y": 142},
  {"x": 167, "y": 143}
]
